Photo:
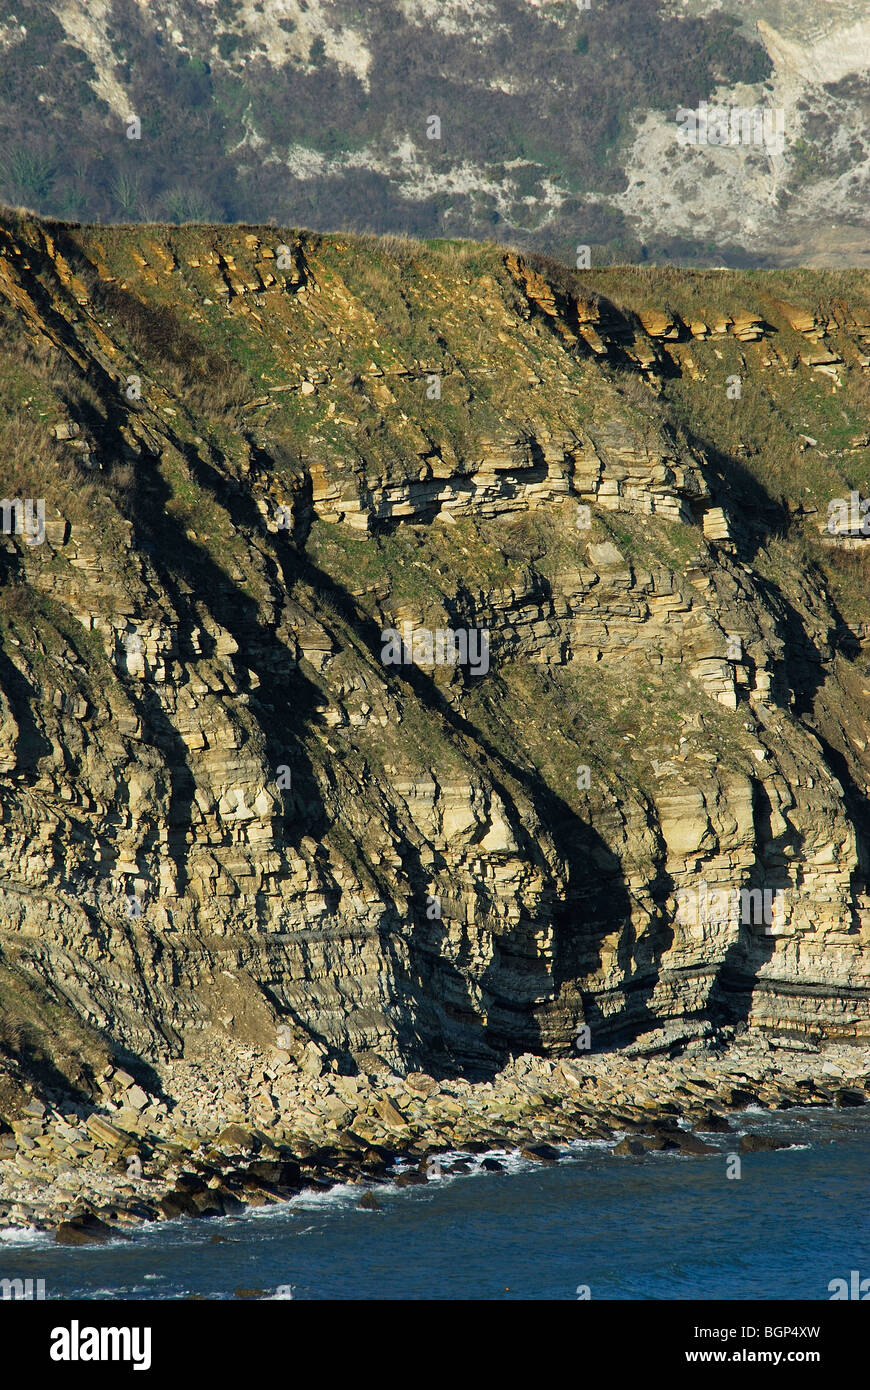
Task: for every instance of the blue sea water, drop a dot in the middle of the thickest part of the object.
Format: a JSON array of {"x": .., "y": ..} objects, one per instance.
[{"x": 656, "y": 1227}]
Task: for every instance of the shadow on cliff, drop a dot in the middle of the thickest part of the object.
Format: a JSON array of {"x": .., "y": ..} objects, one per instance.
[
  {"x": 755, "y": 515},
  {"x": 193, "y": 580},
  {"x": 282, "y": 699},
  {"x": 527, "y": 1004},
  {"x": 799, "y": 676},
  {"x": 30, "y": 744},
  {"x": 738, "y": 981}
]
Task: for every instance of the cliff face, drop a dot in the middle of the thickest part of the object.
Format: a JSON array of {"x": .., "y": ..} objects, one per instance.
[{"x": 260, "y": 455}]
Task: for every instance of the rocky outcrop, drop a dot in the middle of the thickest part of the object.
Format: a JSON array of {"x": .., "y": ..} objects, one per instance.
[{"x": 223, "y": 815}]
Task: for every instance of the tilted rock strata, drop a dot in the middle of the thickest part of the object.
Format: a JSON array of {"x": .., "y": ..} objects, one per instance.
[{"x": 224, "y": 815}]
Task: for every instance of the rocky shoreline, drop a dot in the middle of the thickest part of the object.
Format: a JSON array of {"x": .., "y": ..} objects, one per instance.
[{"x": 250, "y": 1128}]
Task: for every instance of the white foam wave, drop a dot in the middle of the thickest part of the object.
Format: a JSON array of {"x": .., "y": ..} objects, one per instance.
[{"x": 24, "y": 1235}]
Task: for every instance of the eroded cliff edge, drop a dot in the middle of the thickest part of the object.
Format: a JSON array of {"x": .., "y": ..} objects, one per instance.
[{"x": 223, "y": 814}]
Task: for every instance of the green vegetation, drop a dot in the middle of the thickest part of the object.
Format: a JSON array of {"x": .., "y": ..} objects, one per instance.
[{"x": 199, "y": 109}]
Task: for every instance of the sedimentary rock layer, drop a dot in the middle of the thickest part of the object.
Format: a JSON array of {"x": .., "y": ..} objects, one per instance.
[{"x": 224, "y": 814}]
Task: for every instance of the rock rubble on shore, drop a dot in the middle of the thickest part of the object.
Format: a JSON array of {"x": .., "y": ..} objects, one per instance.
[{"x": 251, "y": 1128}]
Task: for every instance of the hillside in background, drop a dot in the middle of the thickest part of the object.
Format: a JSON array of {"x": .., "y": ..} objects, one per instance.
[
  {"x": 557, "y": 123},
  {"x": 261, "y": 452}
]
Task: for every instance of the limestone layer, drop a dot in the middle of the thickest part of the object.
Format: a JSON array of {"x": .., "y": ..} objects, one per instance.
[{"x": 223, "y": 814}]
